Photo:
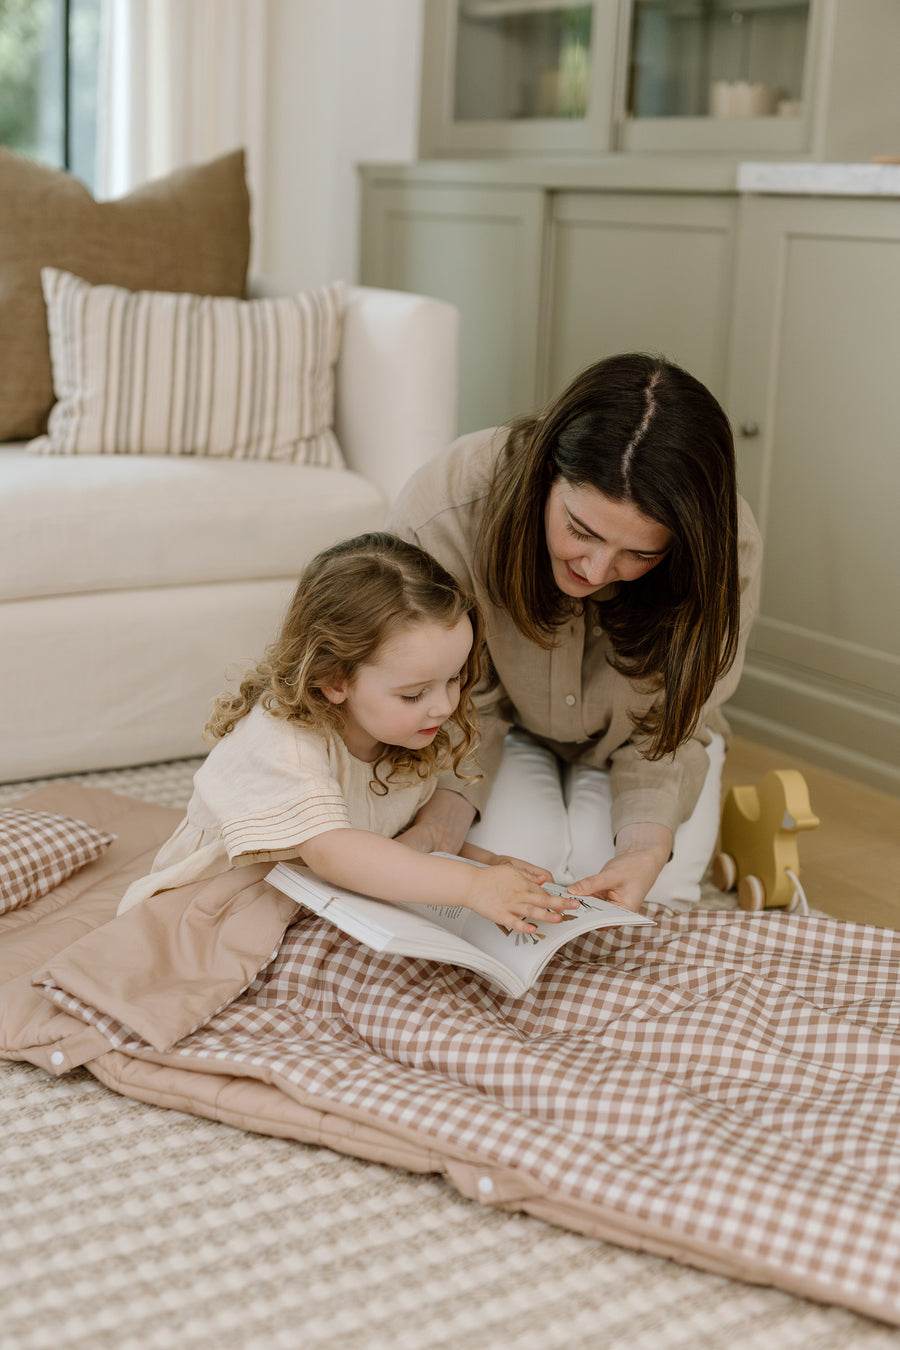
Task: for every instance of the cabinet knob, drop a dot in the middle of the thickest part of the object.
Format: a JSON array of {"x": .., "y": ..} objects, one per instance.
[{"x": 749, "y": 429}]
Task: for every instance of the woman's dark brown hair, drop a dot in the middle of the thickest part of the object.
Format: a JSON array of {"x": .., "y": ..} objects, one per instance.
[
  {"x": 350, "y": 599},
  {"x": 637, "y": 429}
]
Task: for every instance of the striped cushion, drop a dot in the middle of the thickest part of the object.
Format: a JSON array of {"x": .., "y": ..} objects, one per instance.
[
  {"x": 39, "y": 850},
  {"x": 154, "y": 373}
]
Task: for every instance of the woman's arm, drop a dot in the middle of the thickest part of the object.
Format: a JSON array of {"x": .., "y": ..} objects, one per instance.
[
  {"x": 387, "y": 870},
  {"x": 443, "y": 828},
  {"x": 441, "y": 825}
]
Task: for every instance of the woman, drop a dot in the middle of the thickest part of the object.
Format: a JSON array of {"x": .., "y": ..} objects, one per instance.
[{"x": 618, "y": 573}]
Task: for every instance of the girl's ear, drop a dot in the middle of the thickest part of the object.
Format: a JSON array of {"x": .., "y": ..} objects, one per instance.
[{"x": 335, "y": 693}]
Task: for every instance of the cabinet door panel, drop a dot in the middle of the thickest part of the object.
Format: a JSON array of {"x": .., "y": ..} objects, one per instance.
[
  {"x": 834, "y": 550},
  {"x": 816, "y": 339},
  {"x": 480, "y": 249},
  {"x": 641, "y": 272}
]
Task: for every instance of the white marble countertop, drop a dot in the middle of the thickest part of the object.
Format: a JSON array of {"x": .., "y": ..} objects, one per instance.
[
  {"x": 821, "y": 180},
  {"x": 619, "y": 172}
]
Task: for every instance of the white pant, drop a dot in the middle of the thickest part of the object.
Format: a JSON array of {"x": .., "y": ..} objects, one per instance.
[{"x": 558, "y": 816}]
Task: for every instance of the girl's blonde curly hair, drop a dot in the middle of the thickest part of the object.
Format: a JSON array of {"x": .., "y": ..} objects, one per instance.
[{"x": 349, "y": 600}]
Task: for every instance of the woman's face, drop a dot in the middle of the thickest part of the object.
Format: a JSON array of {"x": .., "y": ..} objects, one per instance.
[{"x": 593, "y": 540}]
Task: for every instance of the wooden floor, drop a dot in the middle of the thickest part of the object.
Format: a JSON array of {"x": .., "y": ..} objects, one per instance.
[{"x": 850, "y": 864}]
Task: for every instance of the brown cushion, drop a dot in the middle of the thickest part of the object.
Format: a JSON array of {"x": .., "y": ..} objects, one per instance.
[
  {"x": 189, "y": 232},
  {"x": 40, "y": 850}
]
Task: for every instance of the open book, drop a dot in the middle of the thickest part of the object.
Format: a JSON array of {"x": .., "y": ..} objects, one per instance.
[{"x": 512, "y": 959}]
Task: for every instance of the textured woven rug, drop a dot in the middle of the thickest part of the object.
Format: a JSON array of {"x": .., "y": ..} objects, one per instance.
[{"x": 128, "y": 1227}]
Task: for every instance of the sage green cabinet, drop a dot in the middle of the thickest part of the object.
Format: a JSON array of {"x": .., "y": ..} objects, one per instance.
[
  {"x": 548, "y": 281},
  {"x": 639, "y": 271},
  {"x": 481, "y": 249},
  {"x": 814, "y": 378},
  {"x": 742, "y": 77}
]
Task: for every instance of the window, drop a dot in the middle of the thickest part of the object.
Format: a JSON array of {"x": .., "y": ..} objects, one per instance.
[{"x": 49, "y": 63}]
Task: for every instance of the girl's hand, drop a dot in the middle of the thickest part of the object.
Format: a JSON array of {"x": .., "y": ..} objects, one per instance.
[
  {"x": 388, "y": 870},
  {"x": 503, "y": 894},
  {"x": 642, "y": 852}
]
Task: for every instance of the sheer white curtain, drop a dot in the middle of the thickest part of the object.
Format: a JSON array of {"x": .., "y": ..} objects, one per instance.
[{"x": 182, "y": 82}]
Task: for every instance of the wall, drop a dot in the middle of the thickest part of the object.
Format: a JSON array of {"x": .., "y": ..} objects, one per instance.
[{"x": 342, "y": 87}]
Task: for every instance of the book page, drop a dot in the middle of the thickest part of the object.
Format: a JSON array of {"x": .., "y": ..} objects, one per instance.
[
  {"x": 444, "y": 932},
  {"x": 525, "y": 953}
]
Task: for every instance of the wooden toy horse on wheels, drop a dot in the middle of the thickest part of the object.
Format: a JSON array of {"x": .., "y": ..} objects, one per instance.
[{"x": 759, "y": 841}]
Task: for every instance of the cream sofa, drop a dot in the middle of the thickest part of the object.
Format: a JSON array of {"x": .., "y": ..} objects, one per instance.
[{"x": 129, "y": 585}]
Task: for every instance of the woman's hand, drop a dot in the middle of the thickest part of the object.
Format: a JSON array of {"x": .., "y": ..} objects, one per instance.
[
  {"x": 642, "y": 852},
  {"x": 526, "y": 869},
  {"x": 503, "y": 894}
]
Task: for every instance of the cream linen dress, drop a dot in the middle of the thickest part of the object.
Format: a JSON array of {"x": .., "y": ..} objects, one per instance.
[{"x": 266, "y": 788}]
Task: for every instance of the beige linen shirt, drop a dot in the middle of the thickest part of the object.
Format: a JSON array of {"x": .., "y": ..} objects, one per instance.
[
  {"x": 568, "y": 697},
  {"x": 262, "y": 792}
]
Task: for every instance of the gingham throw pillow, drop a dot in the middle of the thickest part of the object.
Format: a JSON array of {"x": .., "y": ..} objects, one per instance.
[
  {"x": 39, "y": 850},
  {"x": 153, "y": 373}
]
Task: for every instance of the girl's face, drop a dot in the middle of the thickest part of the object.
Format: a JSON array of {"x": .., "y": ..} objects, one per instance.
[
  {"x": 593, "y": 540},
  {"x": 407, "y": 692}
]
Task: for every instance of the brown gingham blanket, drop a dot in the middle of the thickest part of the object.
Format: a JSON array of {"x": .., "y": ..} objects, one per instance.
[{"x": 722, "y": 1089}]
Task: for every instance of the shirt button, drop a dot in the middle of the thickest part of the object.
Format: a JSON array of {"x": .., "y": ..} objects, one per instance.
[
  {"x": 485, "y": 1186},
  {"x": 571, "y": 700},
  {"x": 597, "y": 630},
  {"x": 57, "y": 1057}
]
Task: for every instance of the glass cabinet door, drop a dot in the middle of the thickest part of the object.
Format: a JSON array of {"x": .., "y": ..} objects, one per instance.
[
  {"x": 521, "y": 62},
  {"x": 518, "y": 75},
  {"x": 736, "y": 69}
]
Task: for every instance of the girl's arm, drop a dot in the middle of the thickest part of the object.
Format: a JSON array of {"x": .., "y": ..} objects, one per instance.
[{"x": 388, "y": 870}]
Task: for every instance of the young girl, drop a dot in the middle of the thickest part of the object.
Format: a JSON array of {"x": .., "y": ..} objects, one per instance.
[{"x": 335, "y": 739}]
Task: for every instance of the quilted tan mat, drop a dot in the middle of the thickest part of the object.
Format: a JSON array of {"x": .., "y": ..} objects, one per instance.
[{"x": 724, "y": 1092}]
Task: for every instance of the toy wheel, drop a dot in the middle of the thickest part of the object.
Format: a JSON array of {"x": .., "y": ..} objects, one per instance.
[
  {"x": 724, "y": 871},
  {"x": 751, "y": 893}
]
